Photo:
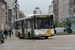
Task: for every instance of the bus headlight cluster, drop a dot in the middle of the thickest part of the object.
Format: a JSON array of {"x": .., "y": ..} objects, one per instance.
[
  {"x": 37, "y": 33},
  {"x": 52, "y": 32}
]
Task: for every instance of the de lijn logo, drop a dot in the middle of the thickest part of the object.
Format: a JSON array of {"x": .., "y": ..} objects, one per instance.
[{"x": 73, "y": 25}]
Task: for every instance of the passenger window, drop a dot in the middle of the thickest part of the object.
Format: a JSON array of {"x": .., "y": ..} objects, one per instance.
[{"x": 28, "y": 24}]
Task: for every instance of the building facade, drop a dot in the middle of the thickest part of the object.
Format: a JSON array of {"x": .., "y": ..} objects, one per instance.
[
  {"x": 63, "y": 10},
  {"x": 72, "y": 9},
  {"x": 37, "y": 11},
  {"x": 56, "y": 9},
  {"x": 3, "y": 14},
  {"x": 13, "y": 11},
  {"x": 51, "y": 8},
  {"x": 10, "y": 9}
]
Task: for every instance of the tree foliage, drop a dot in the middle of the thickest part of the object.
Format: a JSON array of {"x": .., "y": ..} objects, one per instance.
[
  {"x": 21, "y": 14},
  {"x": 55, "y": 23},
  {"x": 67, "y": 23}
]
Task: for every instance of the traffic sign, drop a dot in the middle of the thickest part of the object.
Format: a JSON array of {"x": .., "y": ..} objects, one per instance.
[{"x": 73, "y": 25}]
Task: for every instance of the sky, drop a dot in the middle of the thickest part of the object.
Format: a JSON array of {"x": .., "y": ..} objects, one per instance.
[{"x": 28, "y": 6}]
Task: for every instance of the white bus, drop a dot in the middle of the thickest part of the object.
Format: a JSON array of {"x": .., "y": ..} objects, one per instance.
[{"x": 34, "y": 26}]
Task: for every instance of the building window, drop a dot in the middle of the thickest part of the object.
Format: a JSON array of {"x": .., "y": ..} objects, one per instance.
[
  {"x": 2, "y": 5},
  {"x": 56, "y": 5},
  {"x": 56, "y": 9},
  {"x": 56, "y": 15}
]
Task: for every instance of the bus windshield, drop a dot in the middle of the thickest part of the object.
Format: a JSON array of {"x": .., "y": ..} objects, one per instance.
[{"x": 44, "y": 23}]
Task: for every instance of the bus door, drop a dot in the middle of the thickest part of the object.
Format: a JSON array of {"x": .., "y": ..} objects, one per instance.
[
  {"x": 26, "y": 30},
  {"x": 28, "y": 27},
  {"x": 23, "y": 28}
]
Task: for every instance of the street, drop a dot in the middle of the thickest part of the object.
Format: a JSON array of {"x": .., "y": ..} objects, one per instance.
[{"x": 58, "y": 42}]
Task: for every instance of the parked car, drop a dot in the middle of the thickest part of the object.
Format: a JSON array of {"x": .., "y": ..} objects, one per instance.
[{"x": 1, "y": 38}]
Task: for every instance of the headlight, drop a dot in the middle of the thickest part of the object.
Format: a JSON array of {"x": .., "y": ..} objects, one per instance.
[
  {"x": 52, "y": 32},
  {"x": 37, "y": 33}
]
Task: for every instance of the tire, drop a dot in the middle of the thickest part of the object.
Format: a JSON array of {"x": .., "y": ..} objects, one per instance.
[
  {"x": 46, "y": 37},
  {"x": 19, "y": 36},
  {"x": 2, "y": 41}
]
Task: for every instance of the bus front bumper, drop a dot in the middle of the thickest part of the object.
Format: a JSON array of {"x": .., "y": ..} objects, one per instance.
[
  {"x": 44, "y": 35},
  {"x": 52, "y": 34}
]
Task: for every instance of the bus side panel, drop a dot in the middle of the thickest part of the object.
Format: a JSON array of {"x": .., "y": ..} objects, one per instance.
[
  {"x": 48, "y": 32},
  {"x": 26, "y": 32}
]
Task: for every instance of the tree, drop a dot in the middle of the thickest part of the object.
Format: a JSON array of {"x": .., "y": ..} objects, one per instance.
[
  {"x": 21, "y": 14},
  {"x": 74, "y": 21},
  {"x": 63, "y": 23},
  {"x": 68, "y": 23},
  {"x": 55, "y": 23}
]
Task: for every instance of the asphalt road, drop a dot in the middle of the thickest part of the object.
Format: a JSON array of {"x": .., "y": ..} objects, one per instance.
[{"x": 58, "y": 42}]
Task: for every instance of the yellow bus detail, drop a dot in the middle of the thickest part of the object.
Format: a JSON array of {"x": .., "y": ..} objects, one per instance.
[
  {"x": 16, "y": 32},
  {"x": 48, "y": 32},
  {"x": 26, "y": 33}
]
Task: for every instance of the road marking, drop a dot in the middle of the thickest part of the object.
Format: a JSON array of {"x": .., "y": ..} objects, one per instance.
[{"x": 15, "y": 44}]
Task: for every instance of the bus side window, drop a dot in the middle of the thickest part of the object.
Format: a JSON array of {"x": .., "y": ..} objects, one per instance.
[
  {"x": 28, "y": 24},
  {"x": 32, "y": 24},
  {"x": 22, "y": 24},
  {"x": 19, "y": 24},
  {"x": 25, "y": 24}
]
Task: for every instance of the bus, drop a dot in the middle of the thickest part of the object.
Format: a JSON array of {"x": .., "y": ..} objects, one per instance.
[{"x": 35, "y": 25}]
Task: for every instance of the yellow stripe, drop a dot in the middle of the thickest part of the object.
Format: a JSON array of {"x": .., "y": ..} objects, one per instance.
[
  {"x": 48, "y": 32},
  {"x": 26, "y": 33},
  {"x": 16, "y": 32}
]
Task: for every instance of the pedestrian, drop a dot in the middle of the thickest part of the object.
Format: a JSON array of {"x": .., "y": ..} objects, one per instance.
[
  {"x": 5, "y": 33},
  {"x": 10, "y": 32}
]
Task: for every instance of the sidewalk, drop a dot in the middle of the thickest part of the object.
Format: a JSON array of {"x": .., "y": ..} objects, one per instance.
[{"x": 12, "y": 38}]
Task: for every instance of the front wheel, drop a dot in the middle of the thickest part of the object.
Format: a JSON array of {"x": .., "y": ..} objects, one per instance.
[
  {"x": 20, "y": 36},
  {"x": 28, "y": 35},
  {"x": 46, "y": 37}
]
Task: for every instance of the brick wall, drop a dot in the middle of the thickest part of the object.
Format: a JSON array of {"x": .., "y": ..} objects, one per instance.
[
  {"x": 56, "y": 12},
  {"x": 3, "y": 15},
  {"x": 2, "y": 1}
]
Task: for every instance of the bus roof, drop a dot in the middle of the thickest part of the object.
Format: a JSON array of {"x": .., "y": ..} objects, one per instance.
[{"x": 29, "y": 16}]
